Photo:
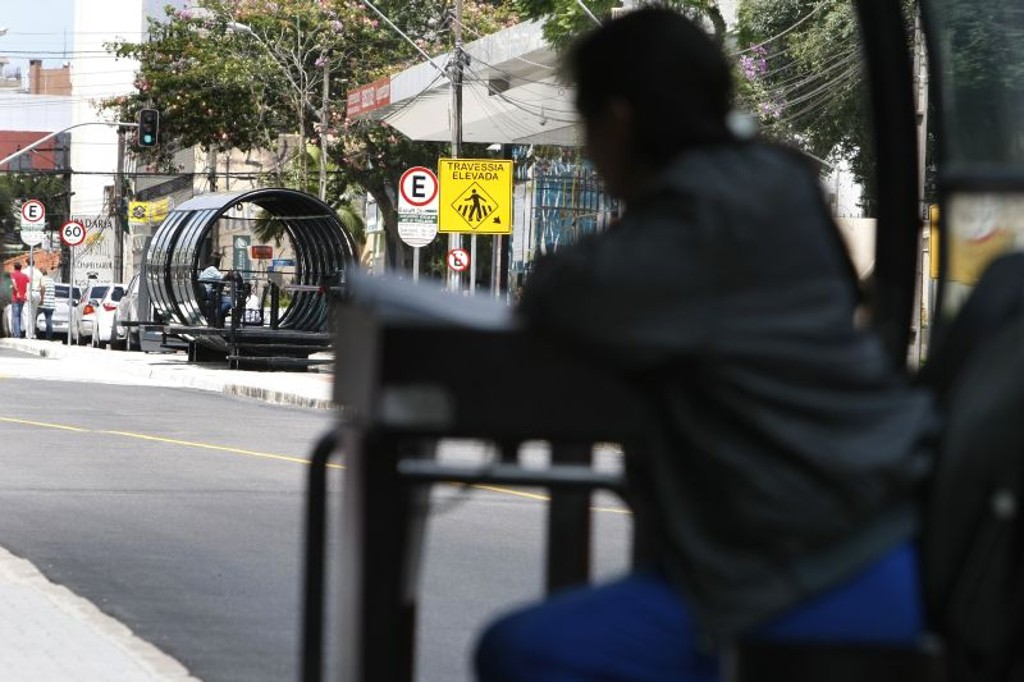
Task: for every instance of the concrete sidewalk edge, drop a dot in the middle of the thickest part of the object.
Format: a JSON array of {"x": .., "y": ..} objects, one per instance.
[
  {"x": 16, "y": 573},
  {"x": 277, "y": 397},
  {"x": 201, "y": 378}
]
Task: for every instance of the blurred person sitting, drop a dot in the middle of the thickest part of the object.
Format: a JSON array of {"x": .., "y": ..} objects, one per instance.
[{"x": 782, "y": 474}]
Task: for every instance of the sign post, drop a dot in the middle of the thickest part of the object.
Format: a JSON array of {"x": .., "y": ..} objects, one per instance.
[
  {"x": 33, "y": 220},
  {"x": 73, "y": 234},
  {"x": 417, "y": 211}
]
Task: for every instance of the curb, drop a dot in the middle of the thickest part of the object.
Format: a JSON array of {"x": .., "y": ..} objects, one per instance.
[
  {"x": 184, "y": 374},
  {"x": 277, "y": 397},
  {"x": 47, "y": 617}
]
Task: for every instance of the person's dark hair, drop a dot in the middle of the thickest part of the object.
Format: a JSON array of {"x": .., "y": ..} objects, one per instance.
[
  {"x": 17, "y": 266},
  {"x": 674, "y": 76}
]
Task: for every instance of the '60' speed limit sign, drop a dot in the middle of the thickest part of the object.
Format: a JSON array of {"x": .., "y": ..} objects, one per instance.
[{"x": 72, "y": 233}]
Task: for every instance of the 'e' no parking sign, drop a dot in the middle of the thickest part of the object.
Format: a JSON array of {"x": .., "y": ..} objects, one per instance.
[{"x": 417, "y": 206}]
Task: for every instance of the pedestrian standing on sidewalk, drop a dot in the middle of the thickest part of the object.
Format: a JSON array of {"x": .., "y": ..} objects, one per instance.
[
  {"x": 48, "y": 300},
  {"x": 784, "y": 455},
  {"x": 19, "y": 295}
]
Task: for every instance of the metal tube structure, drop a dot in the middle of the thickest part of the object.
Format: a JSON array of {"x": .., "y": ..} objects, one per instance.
[{"x": 324, "y": 251}]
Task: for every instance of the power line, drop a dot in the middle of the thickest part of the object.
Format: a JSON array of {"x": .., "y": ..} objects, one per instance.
[{"x": 786, "y": 31}]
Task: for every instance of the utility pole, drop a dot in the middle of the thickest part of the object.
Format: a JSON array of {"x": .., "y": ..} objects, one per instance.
[
  {"x": 118, "y": 208},
  {"x": 211, "y": 167},
  {"x": 324, "y": 103},
  {"x": 456, "y": 67}
]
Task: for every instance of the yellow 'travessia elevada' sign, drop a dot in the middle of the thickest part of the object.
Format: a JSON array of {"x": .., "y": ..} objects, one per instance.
[{"x": 476, "y": 196}]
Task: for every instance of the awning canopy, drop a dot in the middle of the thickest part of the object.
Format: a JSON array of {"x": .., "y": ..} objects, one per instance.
[{"x": 511, "y": 94}]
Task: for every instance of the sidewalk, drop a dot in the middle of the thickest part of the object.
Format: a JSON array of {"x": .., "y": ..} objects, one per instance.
[
  {"x": 49, "y": 634},
  {"x": 301, "y": 389}
]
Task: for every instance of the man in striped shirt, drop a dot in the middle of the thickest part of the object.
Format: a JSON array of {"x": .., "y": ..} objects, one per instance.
[{"x": 48, "y": 298}]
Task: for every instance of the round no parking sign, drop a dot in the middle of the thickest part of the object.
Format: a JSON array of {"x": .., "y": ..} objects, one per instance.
[
  {"x": 458, "y": 260},
  {"x": 418, "y": 188}
]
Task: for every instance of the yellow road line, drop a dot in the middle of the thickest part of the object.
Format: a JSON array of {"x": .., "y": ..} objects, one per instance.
[
  {"x": 269, "y": 455},
  {"x": 510, "y": 491},
  {"x": 542, "y": 498},
  {"x": 47, "y": 425},
  {"x": 208, "y": 446},
  {"x": 170, "y": 441}
]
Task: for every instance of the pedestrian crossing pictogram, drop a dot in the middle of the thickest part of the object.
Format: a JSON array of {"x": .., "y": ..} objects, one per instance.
[
  {"x": 474, "y": 205},
  {"x": 474, "y": 196}
]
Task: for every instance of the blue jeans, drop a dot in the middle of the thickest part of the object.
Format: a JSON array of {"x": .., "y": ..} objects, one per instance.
[
  {"x": 16, "y": 312},
  {"x": 638, "y": 629},
  {"x": 48, "y": 314}
]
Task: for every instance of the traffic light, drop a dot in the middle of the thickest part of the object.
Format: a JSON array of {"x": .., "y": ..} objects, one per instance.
[{"x": 149, "y": 127}]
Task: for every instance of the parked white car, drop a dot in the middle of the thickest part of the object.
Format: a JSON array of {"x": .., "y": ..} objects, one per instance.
[
  {"x": 8, "y": 322},
  {"x": 94, "y": 315},
  {"x": 60, "y": 313}
]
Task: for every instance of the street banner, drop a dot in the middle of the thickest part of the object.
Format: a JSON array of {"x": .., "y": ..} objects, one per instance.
[
  {"x": 94, "y": 259},
  {"x": 141, "y": 213}
]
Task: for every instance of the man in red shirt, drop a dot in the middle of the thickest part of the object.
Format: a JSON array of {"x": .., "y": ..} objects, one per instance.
[{"x": 19, "y": 295}]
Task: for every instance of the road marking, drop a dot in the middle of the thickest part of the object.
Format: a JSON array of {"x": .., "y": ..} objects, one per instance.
[
  {"x": 284, "y": 458},
  {"x": 208, "y": 446},
  {"x": 541, "y": 498},
  {"x": 46, "y": 425},
  {"x": 170, "y": 441},
  {"x": 509, "y": 491}
]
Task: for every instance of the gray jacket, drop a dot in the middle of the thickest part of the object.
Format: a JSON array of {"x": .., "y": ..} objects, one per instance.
[{"x": 785, "y": 451}]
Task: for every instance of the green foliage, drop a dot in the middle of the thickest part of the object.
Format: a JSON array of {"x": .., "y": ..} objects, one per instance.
[
  {"x": 564, "y": 20},
  {"x": 981, "y": 46},
  {"x": 243, "y": 73},
  {"x": 801, "y": 71},
  {"x": 807, "y": 82},
  {"x": 52, "y": 190}
]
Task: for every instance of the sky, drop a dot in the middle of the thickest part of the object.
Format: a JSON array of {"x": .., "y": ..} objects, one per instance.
[{"x": 40, "y": 29}]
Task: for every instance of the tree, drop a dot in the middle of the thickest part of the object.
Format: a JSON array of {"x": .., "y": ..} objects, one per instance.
[
  {"x": 801, "y": 71},
  {"x": 51, "y": 189},
  {"x": 983, "y": 80},
  {"x": 243, "y": 73},
  {"x": 566, "y": 19}
]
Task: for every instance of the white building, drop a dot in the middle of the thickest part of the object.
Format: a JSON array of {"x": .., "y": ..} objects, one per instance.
[{"x": 96, "y": 75}]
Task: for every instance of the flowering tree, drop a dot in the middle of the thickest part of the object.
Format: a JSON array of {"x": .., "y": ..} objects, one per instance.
[
  {"x": 244, "y": 73},
  {"x": 811, "y": 89}
]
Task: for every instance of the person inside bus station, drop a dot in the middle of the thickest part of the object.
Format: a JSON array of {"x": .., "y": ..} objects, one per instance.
[
  {"x": 786, "y": 453},
  {"x": 217, "y": 292}
]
